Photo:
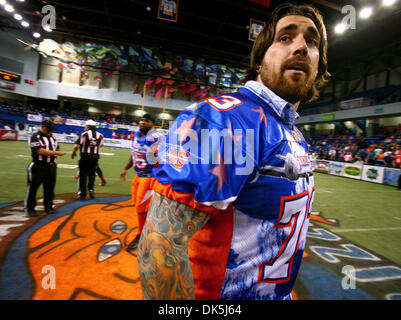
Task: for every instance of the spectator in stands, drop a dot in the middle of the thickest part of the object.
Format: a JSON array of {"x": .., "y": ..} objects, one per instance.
[
  {"x": 397, "y": 161},
  {"x": 21, "y": 125},
  {"x": 7, "y": 127},
  {"x": 388, "y": 159},
  {"x": 379, "y": 158},
  {"x": 332, "y": 153},
  {"x": 341, "y": 154},
  {"x": 362, "y": 155},
  {"x": 348, "y": 157}
]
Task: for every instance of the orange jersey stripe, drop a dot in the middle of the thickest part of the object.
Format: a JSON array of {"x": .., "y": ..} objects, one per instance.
[
  {"x": 184, "y": 197},
  {"x": 209, "y": 248}
]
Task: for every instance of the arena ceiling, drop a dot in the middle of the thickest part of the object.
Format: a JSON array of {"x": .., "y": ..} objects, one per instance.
[{"x": 218, "y": 30}]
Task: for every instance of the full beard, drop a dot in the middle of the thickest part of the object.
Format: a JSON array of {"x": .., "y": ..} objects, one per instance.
[{"x": 280, "y": 85}]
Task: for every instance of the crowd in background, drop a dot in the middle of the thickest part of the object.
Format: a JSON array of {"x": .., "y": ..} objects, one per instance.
[
  {"x": 379, "y": 150},
  {"x": 71, "y": 113}
]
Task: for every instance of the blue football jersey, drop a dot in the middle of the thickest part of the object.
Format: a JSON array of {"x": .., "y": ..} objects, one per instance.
[
  {"x": 140, "y": 149},
  {"x": 240, "y": 157}
]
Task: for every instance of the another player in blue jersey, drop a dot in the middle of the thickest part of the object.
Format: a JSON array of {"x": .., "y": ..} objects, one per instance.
[
  {"x": 141, "y": 191},
  {"x": 234, "y": 190}
]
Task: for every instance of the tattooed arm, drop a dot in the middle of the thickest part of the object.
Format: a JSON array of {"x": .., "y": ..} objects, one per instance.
[{"x": 164, "y": 264}]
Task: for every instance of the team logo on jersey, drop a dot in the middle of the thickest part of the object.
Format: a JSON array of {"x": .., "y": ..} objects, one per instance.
[{"x": 296, "y": 135}]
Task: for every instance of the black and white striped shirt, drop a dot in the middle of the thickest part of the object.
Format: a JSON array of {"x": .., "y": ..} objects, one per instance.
[
  {"x": 39, "y": 140},
  {"x": 90, "y": 142}
]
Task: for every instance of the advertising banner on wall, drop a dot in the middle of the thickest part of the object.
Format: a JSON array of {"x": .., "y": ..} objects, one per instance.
[
  {"x": 391, "y": 176},
  {"x": 336, "y": 168},
  {"x": 75, "y": 122},
  {"x": 322, "y": 166},
  {"x": 8, "y": 135},
  {"x": 34, "y": 117},
  {"x": 118, "y": 143},
  {"x": 373, "y": 174},
  {"x": 353, "y": 171}
]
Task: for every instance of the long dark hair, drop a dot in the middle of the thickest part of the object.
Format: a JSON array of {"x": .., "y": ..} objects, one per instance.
[{"x": 266, "y": 38}]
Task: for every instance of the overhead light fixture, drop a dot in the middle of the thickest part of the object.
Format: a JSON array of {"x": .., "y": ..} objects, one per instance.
[
  {"x": 388, "y": 3},
  {"x": 36, "y": 34},
  {"x": 9, "y": 8},
  {"x": 17, "y": 16},
  {"x": 3, "y": 2},
  {"x": 340, "y": 28},
  {"x": 366, "y": 12},
  {"x": 25, "y": 24},
  {"x": 148, "y": 8}
]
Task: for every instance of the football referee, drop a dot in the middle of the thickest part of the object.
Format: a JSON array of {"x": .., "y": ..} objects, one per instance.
[
  {"x": 89, "y": 143},
  {"x": 43, "y": 168}
]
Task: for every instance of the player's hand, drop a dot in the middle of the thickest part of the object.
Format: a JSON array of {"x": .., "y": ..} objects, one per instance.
[
  {"x": 61, "y": 153},
  {"x": 122, "y": 175},
  {"x": 73, "y": 155}
]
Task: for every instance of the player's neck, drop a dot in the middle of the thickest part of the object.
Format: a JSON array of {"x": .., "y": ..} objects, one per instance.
[{"x": 143, "y": 132}]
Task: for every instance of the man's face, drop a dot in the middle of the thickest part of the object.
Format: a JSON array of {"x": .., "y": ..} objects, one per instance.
[
  {"x": 145, "y": 124},
  {"x": 289, "y": 67}
]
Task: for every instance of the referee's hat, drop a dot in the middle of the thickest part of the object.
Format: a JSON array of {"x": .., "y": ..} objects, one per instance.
[
  {"x": 48, "y": 124},
  {"x": 90, "y": 123}
]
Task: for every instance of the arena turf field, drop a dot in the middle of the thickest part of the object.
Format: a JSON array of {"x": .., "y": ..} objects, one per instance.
[{"x": 353, "y": 223}]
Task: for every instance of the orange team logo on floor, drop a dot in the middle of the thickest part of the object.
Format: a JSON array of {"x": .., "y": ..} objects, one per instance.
[{"x": 87, "y": 252}]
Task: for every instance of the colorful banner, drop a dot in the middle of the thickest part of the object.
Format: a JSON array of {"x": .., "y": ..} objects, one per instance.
[
  {"x": 58, "y": 120},
  {"x": 255, "y": 27},
  {"x": 391, "y": 176},
  {"x": 34, "y": 117},
  {"x": 322, "y": 166},
  {"x": 336, "y": 168},
  {"x": 373, "y": 174},
  {"x": 168, "y": 10},
  {"x": 74, "y": 122},
  {"x": 353, "y": 171},
  {"x": 8, "y": 135}
]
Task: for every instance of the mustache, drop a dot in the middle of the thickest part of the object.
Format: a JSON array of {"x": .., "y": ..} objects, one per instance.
[{"x": 305, "y": 64}]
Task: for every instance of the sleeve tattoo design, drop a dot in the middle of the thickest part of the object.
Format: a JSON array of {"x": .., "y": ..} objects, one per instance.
[{"x": 164, "y": 264}]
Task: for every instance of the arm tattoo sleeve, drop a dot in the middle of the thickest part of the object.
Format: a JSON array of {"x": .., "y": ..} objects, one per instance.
[{"x": 164, "y": 264}]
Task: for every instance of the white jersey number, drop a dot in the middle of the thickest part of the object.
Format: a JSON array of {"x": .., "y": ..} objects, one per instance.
[{"x": 293, "y": 213}]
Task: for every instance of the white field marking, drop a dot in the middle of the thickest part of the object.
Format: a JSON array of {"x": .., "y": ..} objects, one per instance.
[
  {"x": 367, "y": 229},
  {"x": 14, "y": 218},
  {"x": 346, "y": 190},
  {"x": 59, "y": 175},
  {"x": 18, "y": 208},
  {"x": 66, "y": 166},
  {"x": 14, "y": 212},
  {"x": 398, "y": 218},
  {"x": 323, "y": 190},
  {"x": 107, "y": 154},
  {"x": 4, "y": 229}
]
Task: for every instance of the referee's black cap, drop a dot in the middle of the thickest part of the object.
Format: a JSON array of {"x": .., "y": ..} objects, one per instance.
[
  {"x": 48, "y": 124},
  {"x": 149, "y": 117}
]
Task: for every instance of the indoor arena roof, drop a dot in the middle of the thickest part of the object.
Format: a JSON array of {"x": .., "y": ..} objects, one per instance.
[{"x": 217, "y": 30}]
